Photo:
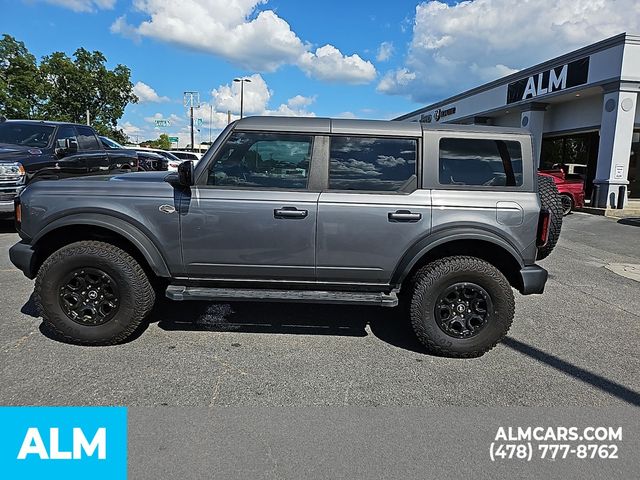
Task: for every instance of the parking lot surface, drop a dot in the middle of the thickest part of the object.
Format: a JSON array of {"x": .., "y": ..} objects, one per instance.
[{"x": 575, "y": 345}]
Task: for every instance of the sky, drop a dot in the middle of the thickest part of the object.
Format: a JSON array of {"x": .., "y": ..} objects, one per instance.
[{"x": 349, "y": 59}]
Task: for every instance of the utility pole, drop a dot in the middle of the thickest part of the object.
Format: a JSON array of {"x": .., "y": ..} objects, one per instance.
[
  {"x": 228, "y": 117},
  {"x": 210, "y": 121},
  {"x": 191, "y": 119},
  {"x": 242, "y": 81},
  {"x": 191, "y": 100},
  {"x": 88, "y": 118}
]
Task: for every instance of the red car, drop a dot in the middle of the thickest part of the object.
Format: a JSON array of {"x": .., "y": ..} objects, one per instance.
[{"x": 571, "y": 191}]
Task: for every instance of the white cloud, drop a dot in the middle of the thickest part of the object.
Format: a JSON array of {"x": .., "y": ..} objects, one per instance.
[
  {"x": 84, "y": 5},
  {"x": 328, "y": 64},
  {"x": 146, "y": 94},
  {"x": 455, "y": 47},
  {"x": 396, "y": 79},
  {"x": 301, "y": 101},
  {"x": 256, "y": 100},
  {"x": 159, "y": 116},
  {"x": 239, "y": 31},
  {"x": 385, "y": 51},
  {"x": 225, "y": 98},
  {"x": 390, "y": 161}
]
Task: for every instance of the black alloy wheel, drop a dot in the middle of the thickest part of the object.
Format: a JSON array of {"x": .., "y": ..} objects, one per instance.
[
  {"x": 463, "y": 310},
  {"x": 89, "y": 296}
]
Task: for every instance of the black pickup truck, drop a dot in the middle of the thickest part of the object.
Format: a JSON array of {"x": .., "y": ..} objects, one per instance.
[{"x": 37, "y": 150}]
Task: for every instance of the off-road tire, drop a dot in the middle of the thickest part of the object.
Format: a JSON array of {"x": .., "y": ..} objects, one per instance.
[
  {"x": 550, "y": 199},
  {"x": 136, "y": 295},
  {"x": 567, "y": 204},
  {"x": 429, "y": 283}
]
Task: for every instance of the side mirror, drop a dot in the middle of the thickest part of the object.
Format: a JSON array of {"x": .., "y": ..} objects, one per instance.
[
  {"x": 71, "y": 145},
  {"x": 184, "y": 176},
  {"x": 185, "y": 173}
]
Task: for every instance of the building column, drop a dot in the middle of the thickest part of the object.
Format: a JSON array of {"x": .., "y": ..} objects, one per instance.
[
  {"x": 616, "y": 134},
  {"x": 532, "y": 119}
]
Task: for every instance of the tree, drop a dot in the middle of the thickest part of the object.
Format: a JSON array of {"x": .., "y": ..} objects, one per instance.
[
  {"x": 20, "y": 80},
  {"x": 162, "y": 142},
  {"x": 73, "y": 86}
]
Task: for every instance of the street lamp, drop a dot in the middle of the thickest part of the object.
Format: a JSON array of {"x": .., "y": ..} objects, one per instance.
[{"x": 242, "y": 80}]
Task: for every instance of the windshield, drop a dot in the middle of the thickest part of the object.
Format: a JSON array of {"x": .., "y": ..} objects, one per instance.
[
  {"x": 108, "y": 143},
  {"x": 185, "y": 155},
  {"x": 167, "y": 155},
  {"x": 27, "y": 134}
]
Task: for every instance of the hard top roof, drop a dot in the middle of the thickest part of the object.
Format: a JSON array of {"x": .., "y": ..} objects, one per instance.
[{"x": 357, "y": 127}]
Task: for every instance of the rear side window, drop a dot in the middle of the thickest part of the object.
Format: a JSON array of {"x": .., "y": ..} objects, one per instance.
[
  {"x": 480, "y": 162},
  {"x": 87, "y": 140},
  {"x": 373, "y": 164}
]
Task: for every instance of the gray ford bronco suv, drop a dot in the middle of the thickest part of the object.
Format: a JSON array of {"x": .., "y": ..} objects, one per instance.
[{"x": 444, "y": 221}]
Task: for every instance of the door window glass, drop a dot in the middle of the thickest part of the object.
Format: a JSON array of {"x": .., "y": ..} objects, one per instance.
[
  {"x": 373, "y": 164},
  {"x": 87, "y": 139},
  {"x": 480, "y": 162},
  {"x": 262, "y": 160},
  {"x": 65, "y": 132}
]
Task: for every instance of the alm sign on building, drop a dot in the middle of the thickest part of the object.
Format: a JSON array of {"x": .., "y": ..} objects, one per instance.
[{"x": 552, "y": 80}]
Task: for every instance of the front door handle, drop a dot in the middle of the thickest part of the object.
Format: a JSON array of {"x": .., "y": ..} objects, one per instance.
[
  {"x": 290, "y": 212},
  {"x": 404, "y": 216}
]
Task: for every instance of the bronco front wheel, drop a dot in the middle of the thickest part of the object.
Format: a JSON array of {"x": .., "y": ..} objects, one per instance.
[
  {"x": 461, "y": 306},
  {"x": 93, "y": 293}
]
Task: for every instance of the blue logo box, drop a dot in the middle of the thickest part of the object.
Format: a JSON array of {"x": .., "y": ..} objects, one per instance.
[{"x": 63, "y": 442}]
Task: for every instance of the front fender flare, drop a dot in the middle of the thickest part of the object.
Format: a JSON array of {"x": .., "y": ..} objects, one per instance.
[{"x": 125, "y": 229}]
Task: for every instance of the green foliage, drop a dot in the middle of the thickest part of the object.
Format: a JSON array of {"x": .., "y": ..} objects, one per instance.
[
  {"x": 21, "y": 88},
  {"x": 162, "y": 142},
  {"x": 63, "y": 88}
]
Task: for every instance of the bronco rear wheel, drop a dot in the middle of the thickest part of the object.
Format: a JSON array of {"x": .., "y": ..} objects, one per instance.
[
  {"x": 93, "y": 293},
  {"x": 461, "y": 306}
]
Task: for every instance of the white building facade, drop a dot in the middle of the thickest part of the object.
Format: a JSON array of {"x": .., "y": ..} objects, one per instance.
[{"x": 581, "y": 108}]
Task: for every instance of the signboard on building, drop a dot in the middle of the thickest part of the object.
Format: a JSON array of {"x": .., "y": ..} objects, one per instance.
[
  {"x": 553, "y": 80},
  {"x": 437, "y": 114}
]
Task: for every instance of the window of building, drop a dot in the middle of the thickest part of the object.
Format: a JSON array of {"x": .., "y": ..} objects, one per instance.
[
  {"x": 480, "y": 162},
  {"x": 87, "y": 139},
  {"x": 267, "y": 160},
  {"x": 373, "y": 164}
]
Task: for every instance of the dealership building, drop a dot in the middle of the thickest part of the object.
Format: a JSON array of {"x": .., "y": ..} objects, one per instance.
[{"x": 581, "y": 109}]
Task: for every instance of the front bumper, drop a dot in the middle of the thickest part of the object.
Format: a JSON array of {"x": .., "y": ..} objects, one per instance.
[
  {"x": 533, "y": 279},
  {"x": 6, "y": 208},
  {"x": 22, "y": 255}
]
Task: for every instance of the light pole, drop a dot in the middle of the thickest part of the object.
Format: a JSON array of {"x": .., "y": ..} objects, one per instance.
[{"x": 242, "y": 80}]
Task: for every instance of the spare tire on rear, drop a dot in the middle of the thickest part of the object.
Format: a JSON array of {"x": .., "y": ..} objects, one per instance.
[{"x": 550, "y": 199}]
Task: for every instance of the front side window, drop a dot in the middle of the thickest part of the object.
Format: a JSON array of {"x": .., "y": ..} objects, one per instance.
[
  {"x": 87, "y": 139},
  {"x": 65, "y": 132},
  {"x": 373, "y": 164},
  {"x": 263, "y": 160},
  {"x": 480, "y": 162}
]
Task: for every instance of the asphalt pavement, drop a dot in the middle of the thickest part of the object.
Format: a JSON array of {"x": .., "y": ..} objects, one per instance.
[{"x": 576, "y": 345}]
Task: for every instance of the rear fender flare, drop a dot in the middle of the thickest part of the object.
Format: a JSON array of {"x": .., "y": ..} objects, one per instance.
[{"x": 423, "y": 246}]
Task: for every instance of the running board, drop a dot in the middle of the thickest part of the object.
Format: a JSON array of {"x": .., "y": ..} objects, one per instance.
[{"x": 179, "y": 292}]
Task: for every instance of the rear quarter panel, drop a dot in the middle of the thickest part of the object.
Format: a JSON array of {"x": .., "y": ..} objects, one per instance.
[{"x": 510, "y": 213}]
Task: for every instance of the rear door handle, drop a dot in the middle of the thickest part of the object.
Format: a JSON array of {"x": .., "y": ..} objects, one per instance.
[
  {"x": 404, "y": 216},
  {"x": 290, "y": 212}
]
